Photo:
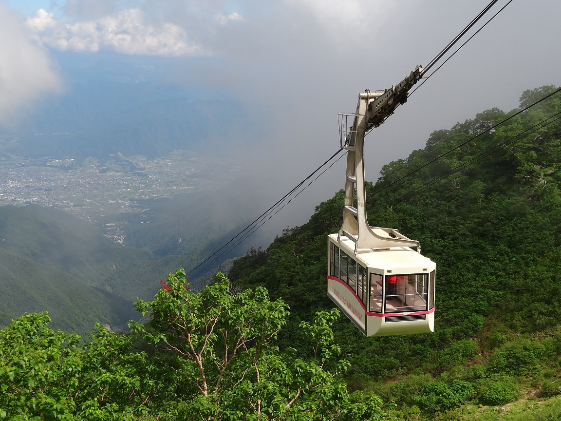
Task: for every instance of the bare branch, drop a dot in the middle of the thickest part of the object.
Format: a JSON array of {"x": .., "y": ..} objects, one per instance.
[{"x": 289, "y": 404}]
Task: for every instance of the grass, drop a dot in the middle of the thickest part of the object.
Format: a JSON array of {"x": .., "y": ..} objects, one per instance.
[{"x": 527, "y": 409}]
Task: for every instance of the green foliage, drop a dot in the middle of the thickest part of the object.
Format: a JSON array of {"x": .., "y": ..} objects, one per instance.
[
  {"x": 38, "y": 369},
  {"x": 117, "y": 381},
  {"x": 517, "y": 358},
  {"x": 439, "y": 396},
  {"x": 550, "y": 387},
  {"x": 497, "y": 390},
  {"x": 220, "y": 352},
  {"x": 207, "y": 355},
  {"x": 405, "y": 390},
  {"x": 45, "y": 373},
  {"x": 458, "y": 353},
  {"x": 210, "y": 332}
]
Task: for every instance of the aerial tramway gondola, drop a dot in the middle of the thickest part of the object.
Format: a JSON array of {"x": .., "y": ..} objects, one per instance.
[{"x": 377, "y": 276}]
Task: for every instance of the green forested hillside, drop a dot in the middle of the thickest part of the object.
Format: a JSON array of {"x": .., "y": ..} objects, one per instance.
[
  {"x": 50, "y": 260},
  {"x": 488, "y": 212},
  {"x": 27, "y": 286},
  {"x": 60, "y": 249},
  {"x": 59, "y": 240}
]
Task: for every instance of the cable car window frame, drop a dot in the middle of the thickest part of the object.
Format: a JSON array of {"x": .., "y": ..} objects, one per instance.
[
  {"x": 403, "y": 284},
  {"x": 432, "y": 279},
  {"x": 335, "y": 263},
  {"x": 362, "y": 281},
  {"x": 378, "y": 286}
]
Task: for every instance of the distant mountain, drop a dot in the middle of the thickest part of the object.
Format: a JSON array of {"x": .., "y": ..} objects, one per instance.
[
  {"x": 195, "y": 221},
  {"x": 51, "y": 260},
  {"x": 120, "y": 104},
  {"x": 27, "y": 286},
  {"x": 54, "y": 238}
]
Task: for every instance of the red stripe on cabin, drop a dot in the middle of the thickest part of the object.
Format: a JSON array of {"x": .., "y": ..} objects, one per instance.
[
  {"x": 334, "y": 278},
  {"x": 368, "y": 313}
]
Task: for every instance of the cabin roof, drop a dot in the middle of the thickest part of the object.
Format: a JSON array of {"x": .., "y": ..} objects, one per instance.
[{"x": 395, "y": 259}]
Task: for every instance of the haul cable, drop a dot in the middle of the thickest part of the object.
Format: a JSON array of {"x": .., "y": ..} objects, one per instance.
[
  {"x": 264, "y": 215},
  {"x": 485, "y": 154},
  {"x": 267, "y": 215},
  {"x": 399, "y": 179}
]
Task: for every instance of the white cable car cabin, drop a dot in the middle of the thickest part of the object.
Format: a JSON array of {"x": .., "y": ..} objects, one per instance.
[
  {"x": 374, "y": 275},
  {"x": 384, "y": 291}
]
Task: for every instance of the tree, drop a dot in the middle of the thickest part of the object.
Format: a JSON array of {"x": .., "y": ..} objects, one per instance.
[
  {"x": 38, "y": 369},
  {"x": 220, "y": 350},
  {"x": 45, "y": 374}
]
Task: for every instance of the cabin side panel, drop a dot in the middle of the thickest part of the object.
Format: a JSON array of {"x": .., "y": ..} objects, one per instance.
[{"x": 346, "y": 285}]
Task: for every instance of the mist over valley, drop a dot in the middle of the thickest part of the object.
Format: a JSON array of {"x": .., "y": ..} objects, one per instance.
[{"x": 111, "y": 187}]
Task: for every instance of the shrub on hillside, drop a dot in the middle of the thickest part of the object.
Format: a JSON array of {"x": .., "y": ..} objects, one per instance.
[
  {"x": 497, "y": 390},
  {"x": 440, "y": 396},
  {"x": 517, "y": 358}
]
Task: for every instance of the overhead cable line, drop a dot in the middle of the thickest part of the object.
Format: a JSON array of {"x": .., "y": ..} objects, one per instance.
[
  {"x": 460, "y": 35},
  {"x": 264, "y": 215},
  {"x": 458, "y": 49},
  {"x": 279, "y": 205},
  {"x": 485, "y": 154},
  {"x": 399, "y": 179},
  {"x": 263, "y": 221}
]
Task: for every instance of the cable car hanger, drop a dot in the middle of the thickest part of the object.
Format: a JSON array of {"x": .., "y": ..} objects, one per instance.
[{"x": 372, "y": 110}]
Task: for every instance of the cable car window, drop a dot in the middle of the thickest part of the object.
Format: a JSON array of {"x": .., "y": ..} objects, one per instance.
[
  {"x": 376, "y": 288},
  {"x": 344, "y": 260},
  {"x": 335, "y": 261},
  {"x": 431, "y": 289},
  {"x": 352, "y": 273},
  {"x": 361, "y": 284},
  {"x": 406, "y": 293}
]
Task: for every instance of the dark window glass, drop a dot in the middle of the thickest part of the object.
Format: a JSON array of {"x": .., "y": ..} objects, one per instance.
[
  {"x": 361, "y": 284},
  {"x": 344, "y": 259},
  {"x": 335, "y": 260}
]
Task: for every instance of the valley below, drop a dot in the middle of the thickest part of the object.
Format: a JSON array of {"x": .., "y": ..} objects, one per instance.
[{"x": 106, "y": 191}]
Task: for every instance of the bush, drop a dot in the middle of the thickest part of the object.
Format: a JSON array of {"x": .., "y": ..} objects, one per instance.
[
  {"x": 497, "y": 339},
  {"x": 550, "y": 387},
  {"x": 516, "y": 358},
  {"x": 458, "y": 353},
  {"x": 403, "y": 391},
  {"x": 440, "y": 396},
  {"x": 498, "y": 390}
]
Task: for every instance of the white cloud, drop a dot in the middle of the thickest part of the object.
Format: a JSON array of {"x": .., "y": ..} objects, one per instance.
[
  {"x": 346, "y": 21},
  {"x": 223, "y": 20},
  {"x": 334, "y": 11},
  {"x": 125, "y": 32},
  {"x": 26, "y": 71}
]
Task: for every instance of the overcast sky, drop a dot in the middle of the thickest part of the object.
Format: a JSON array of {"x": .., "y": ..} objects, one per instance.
[{"x": 297, "y": 63}]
